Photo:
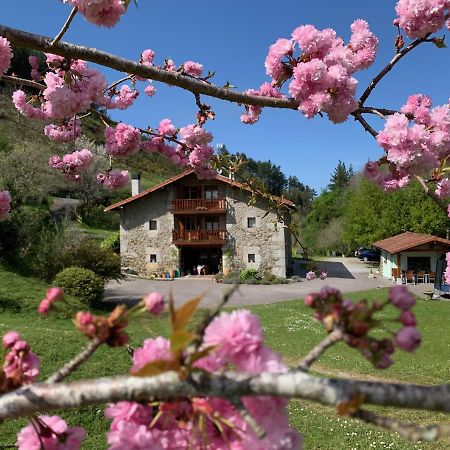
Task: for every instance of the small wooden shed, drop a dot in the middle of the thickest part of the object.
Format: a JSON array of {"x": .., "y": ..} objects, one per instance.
[{"x": 410, "y": 251}]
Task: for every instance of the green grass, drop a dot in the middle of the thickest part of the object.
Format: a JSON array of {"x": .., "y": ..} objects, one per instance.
[
  {"x": 289, "y": 329},
  {"x": 98, "y": 233}
]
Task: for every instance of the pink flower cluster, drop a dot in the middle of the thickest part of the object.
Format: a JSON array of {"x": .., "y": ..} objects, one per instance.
[
  {"x": 193, "y": 69},
  {"x": 123, "y": 98},
  {"x": 5, "y": 55},
  {"x": 154, "y": 303},
  {"x": 73, "y": 164},
  {"x": 50, "y": 433},
  {"x": 420, "y": 17},
  {"x": 104, "y": 13},
  {"x": 252, "y": 113},
  {"x": 413, "y": 146},
  {"x": 113, "y": 179},
  {"x": 447, "y": 268},
  {"x": 65, "y": 132},
  {"x": 443, "y": 188},
  {"x": 5, "y": 205},
  {"x": 357, "y": 319},
  {"x": 322, "y": 76},
  {"x": 239, "y": 343},
  {"x": 21, "y": 365},
  {"x": 310, "y": 275},
  {"x": 53, "y": 295},
  {"x": 122, "y": 141}
]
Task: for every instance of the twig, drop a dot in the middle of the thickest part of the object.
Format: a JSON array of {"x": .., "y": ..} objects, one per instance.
[
  {"x": 23, "y": 82},
  {"x": 44, "y": 397},
  {"x": 335, "y": 336},
  {"x": 410, "y": 431},
  {"x": 364, "y": 123},
  {"x": 65, "y": 27},
  {"x": 442, "y": 205},
  {"x": 122, "y": 80},
  {"x": 398, "y": 56},
  {"x": 72, "y": 365},
  {"x": 259, "y": 431}
]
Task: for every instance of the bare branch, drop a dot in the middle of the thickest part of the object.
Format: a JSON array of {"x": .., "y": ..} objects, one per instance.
[
  {"x": 65, "y": 27},
  {"x": 409, "y": 431},
  {"x": 22, "y": 82},
  {"x": 73, "y": 365},
  {"x": 364, "y": 123},
  {"x": 398, "y": 56},
  {"x": 116, "y": 83},
  {"x": 335, "y": 336},
  {"x": 442, "y": 205},
  {"x": 168, "y": 386}
]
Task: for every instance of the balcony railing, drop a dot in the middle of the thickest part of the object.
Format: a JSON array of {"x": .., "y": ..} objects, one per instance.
[
  {"x": 199, "y": 205},
  {"x": 199, "y": 237}
]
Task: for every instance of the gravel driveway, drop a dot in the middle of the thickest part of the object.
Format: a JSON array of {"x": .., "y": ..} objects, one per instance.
[{"x": 346, "y": 274}]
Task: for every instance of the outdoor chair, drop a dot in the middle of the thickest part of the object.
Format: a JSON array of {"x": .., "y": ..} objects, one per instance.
[
  {"x": 395, "y": 274},
  {"x": 432, "y": 277},
  {"x": 420, "y": 276},
  {"x": 410, "y": 278}
]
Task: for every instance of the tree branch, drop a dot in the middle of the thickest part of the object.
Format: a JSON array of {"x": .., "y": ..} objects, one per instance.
[
  {"x": 43, "y": 43},
  {"x": 398, "y": 56},
  {"x": 73, "y": 365},
  {"x": 335, "y": 336},
  {"x": 364, "y": 123},
  {"x": 409, "y": 431},
  {"x": 442, "y": 205},
  {"x": 168, "y": 386},
  {"x": 65, "y": 27},
  {"x": 23, "y": 82}
]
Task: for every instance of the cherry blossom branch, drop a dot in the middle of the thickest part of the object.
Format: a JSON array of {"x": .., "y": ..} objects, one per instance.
[
  {"x": 409, "y": 431},
  {"x": 442, "y": 205},
  {"x": 116, "y": 83},
  {"x": 23, "y": 82},
  {"x": 335, "y": 336},
  {"x": 65, "y": 27},
  {"x": 364, "y": 123},
  {"x": 398, "y": 56},
  {"x": 43, "y": 397},
  {"x": 73, "y": 365}
]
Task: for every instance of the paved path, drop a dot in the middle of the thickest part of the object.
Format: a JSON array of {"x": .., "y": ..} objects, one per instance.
[{"x": 346, "y": 274}]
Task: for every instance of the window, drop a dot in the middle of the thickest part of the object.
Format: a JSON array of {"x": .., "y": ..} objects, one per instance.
[
  {"x": 212, "y": 223},
  {"x": 211, "y": 192},
  {"x": 190, "y": 223},
  {"x": 152, "y": 258},
  {"x": 152, "y": 225},
  {"x": 251, "y": 222},
  {"x": 251, "y": 258},
  {"x": 192, "y": 192}
]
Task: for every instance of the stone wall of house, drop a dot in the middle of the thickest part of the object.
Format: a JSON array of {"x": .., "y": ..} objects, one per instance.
[
  {"x": 138, "y": 242},
  {"x": 268, "y": 240}
]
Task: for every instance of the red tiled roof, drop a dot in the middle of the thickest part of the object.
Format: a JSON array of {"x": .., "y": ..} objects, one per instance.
[
  {"x": 408, "y": 240},
  {"x": 179, "y": 177}
]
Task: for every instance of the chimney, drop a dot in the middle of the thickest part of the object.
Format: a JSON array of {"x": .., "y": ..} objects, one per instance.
[{"x": 135, "y": 183}]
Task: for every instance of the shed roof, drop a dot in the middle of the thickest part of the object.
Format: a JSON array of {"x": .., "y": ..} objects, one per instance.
[
  {"x": 408, "y": 240},
  {"x": 218, "y": 177}
]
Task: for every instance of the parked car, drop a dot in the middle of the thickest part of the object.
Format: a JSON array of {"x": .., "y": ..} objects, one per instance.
[
  {"x": 370, "y": 254},
  {"x": 359, "y": 250}
]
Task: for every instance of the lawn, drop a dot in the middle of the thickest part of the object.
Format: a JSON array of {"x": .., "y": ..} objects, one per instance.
[{"x": 289, "y": 328}]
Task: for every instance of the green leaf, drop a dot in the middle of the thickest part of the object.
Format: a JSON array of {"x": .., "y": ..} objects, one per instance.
[
  {"x": 439, "y": 42},
  {"x": 180, "y": 339},
  {"x": 182, "y": 315},
  {"x": 157, "y": 367},
  {"x": 202, "y": 353}
]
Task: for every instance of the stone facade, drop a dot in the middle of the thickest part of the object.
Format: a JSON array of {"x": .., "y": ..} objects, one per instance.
[{"x": 254, "y": 238}]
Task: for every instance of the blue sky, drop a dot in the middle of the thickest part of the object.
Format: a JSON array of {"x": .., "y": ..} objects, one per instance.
[{"x": 232, "y": 38}]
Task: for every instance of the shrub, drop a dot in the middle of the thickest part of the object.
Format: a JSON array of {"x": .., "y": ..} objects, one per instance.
[
  {"x": 248, "y": 274},
  {"x": 112, "y": 242},
  {"x": 81, "y": 283},
  {"x": 95, "y": 216},
  {"x": 103, "y": 261}
]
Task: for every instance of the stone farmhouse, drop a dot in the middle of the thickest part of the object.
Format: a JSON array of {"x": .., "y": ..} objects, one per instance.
[{"x": 184, "y": 223}]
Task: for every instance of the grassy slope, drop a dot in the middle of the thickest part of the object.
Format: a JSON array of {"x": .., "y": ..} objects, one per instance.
[{"x": 289, "y": 328}]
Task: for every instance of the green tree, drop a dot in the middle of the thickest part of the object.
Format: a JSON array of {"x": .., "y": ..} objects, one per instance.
[{"x": 340, "y": 178}]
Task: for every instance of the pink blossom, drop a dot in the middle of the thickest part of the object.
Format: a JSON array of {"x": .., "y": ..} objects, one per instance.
[
  {"x": 132, "y": 436},
  {"x": 20, "y": 102},
  {"x": 262, "y": 360},
  {"x": 21, "y": 365},
  {"x": 54, "y": 294},
  {"x": 310, "y": 275},
  {"x": 147, "y": 57},
  {"x": 408, "y": 319},
  {"x": 364, "y": 45},
  {"x": 73, "y": 164},
  {"x": 5, "y": 55},
  {"x": 34, "y": 63},
  {"x": 420, "y": 17},
  {"x": 114, "y": 179},
  {"x": 124, "y": 98},
  {"x": 123, "y": 140},
  {"x": 154, "y": 302},
  {"x": 166, "y": 127},
  {"x": 170, "y": 65},
  {"x": 447, "y": 268},
  {"x": 408, "y": 339},
  {"x": 418, "y": 106},
  {"x": 443, "y": 188},
  {"x": 401, "y": 298},
  {"x": 104, "y": 13},
  {"x": 129, "y": 412},
  {"x": 193, "y": 69},
  {"x": 54, "y": 434},
  {"x": 237, "y": 335},
  {"x": 44, "y": 307},
  {"x": 150, "y": 90},
  {"x": 275, "y": 60},
  {"x": 10, "y": 338},
  {"x": 193, "y": 135},
  {"x": 66, "y": 132},
  {"x": 152, "y": 350},
  {"x": 5, "y": 205}
]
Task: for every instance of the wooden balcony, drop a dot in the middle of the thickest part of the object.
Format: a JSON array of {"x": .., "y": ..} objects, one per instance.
[
  {"x": 199, "y": 237},
  {"x": 199, "y": 206}
]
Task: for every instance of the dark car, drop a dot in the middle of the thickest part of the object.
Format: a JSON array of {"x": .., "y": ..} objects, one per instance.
[
  {"x": 359, "y": 250},
  {"x": 370, "y": 254}
]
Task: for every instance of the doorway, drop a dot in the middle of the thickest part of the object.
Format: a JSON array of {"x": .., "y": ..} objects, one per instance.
[{"x": 208, "y": 257}]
